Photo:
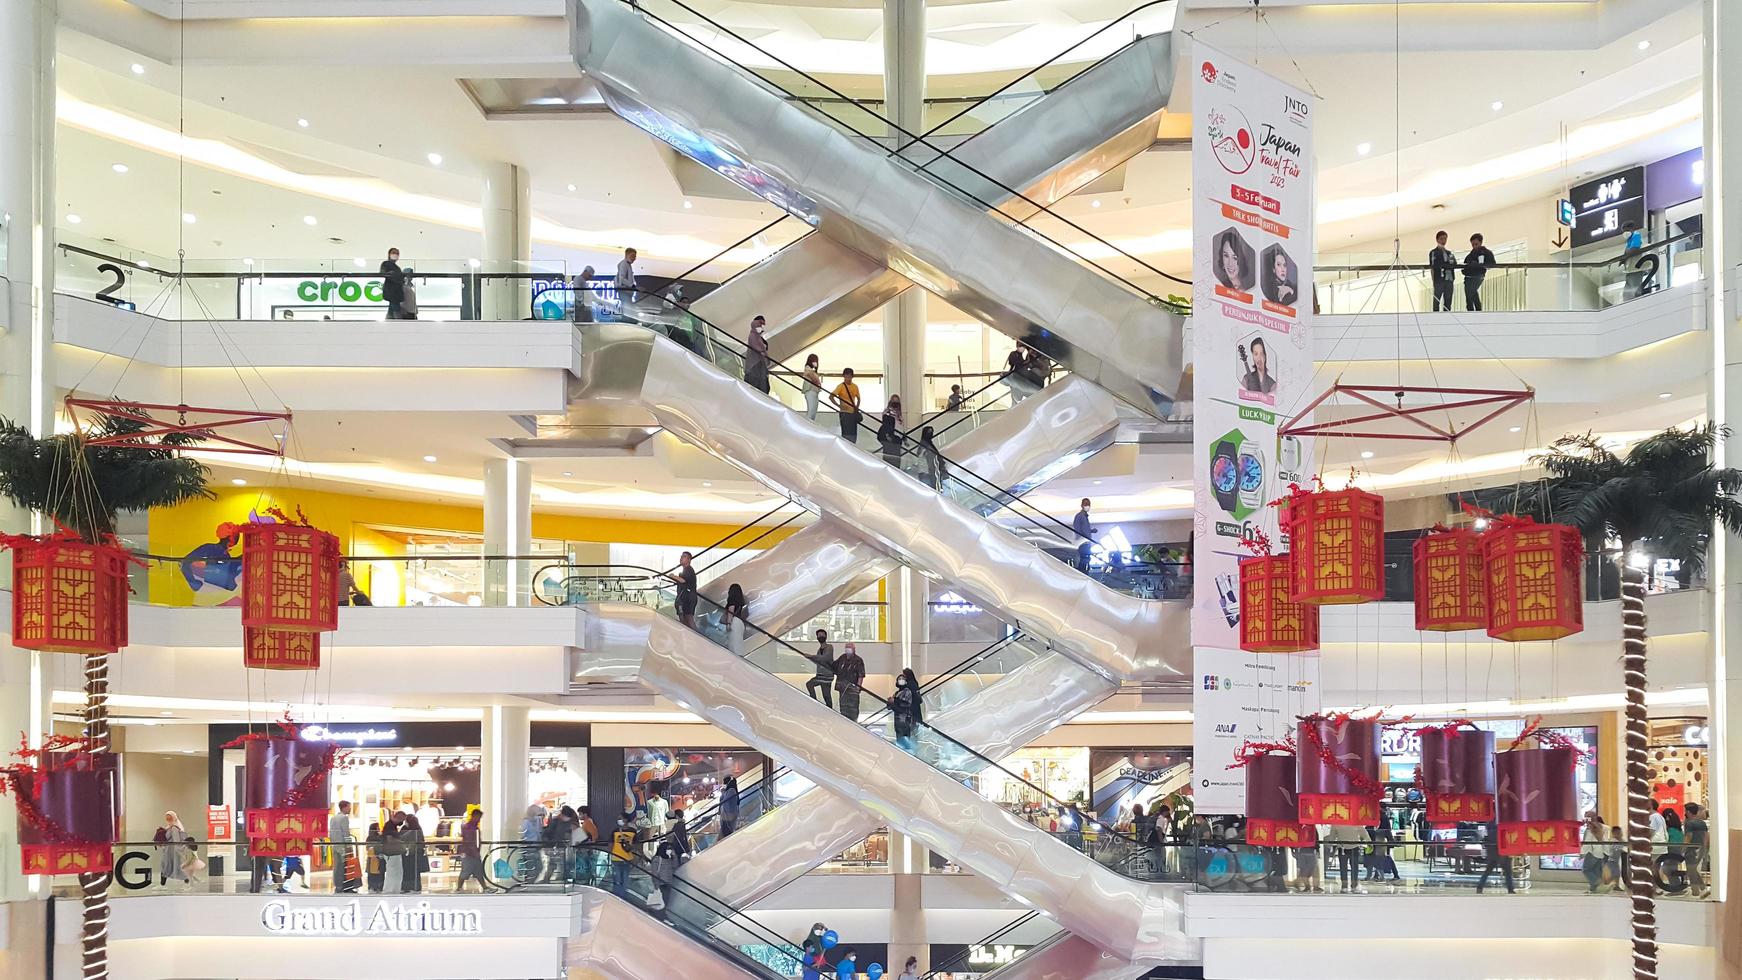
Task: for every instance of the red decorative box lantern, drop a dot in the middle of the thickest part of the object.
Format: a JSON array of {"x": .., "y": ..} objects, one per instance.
[
  {"x": 1336, "y": 538},
  {"x": 66, "y": 808},
  {"x": 1272, "y": 809},
  {"x": 1337, "y": 770},
  {"x": 1534, "y": 589},
  {"x": 290, "y": 574},
  {"x": 68, "y": 596},
  {"x": 1538, "y": 798},
  {"x": 1271, "y": 622},
  {"x": 287, "y": 790},
  {"x": 276, "y": 649},
  {"x": 1457, "y": 774},
  {"x": 1451, "y": 591}
]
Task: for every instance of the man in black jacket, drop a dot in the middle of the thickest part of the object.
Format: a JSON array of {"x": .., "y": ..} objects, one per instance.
[
  {"x": 1442, "y": 264},
  {"x": 1476, "y": 266},
  {"x": 393, "y": 285}
]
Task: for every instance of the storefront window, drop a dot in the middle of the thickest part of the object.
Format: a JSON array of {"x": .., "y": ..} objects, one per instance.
[
  {"x": 957, "y": 619},
  {"x": 1146, "y": 777},
  {"x": 859, "y": 617},
  {"x": 1046, "y": 775}
]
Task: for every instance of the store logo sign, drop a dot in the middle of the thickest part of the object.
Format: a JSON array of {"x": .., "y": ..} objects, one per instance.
[
  {"x": 353, "y": 736},
  {"x": 382, "y": 919},
  {"x": 994, "y": 955}
]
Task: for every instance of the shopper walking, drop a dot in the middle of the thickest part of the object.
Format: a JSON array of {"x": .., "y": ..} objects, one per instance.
[
  {"x": 586, "y": 844},
  {"x": 931, "y": 460},
  {"x": 339, "y": 849},
  {"x": 1594, "y": 855},
  {"x": 825, "y": 676},
  {"x": 847, "y": 403},
  {"x": 685, "y": 578},
  {"x": 624, "y": 281},
  {"x": 1698, "y": 837},
  {"x": 1346, "y": 846},
  {"x": 416, "y": 857},
  {"x": 908, "y": 709},
  {"x": 730, "y": 802},
  {"x": 471, "y": 859},
  {"x": 1085, "y": 535},
  {"x": 849, "y": 674},
  {"x": 622, "y": 857},
  {"x": 1476, "y": 266},
  {"x": 557, "y": 838},
  {"x": 531, "y": 833},
  {"x": 175, "y": 850},
  {"x": 392, "y": 848},
  {"x": 374, "y": 865},
  {"x": 737, "y": 613},
  {"x": 393, "y": 285},
  {"x": 813, "y": 386},
  {"x": 658, "y": 811},
  {"x": 1491, "y": 842},
  {"x": 889, "y": 432},
  {"x": 756, "y": 357},
  {"x": 1442, "y": 272}
]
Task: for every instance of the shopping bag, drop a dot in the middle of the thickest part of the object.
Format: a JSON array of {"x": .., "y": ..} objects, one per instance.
[
  {"x": 655, "y": 899},
  {"x": 353, "y": 870},
  {"x": 503, "y": 870}
]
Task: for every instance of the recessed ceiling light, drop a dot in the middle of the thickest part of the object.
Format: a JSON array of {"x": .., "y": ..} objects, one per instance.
[
  {"x": 1664, "y": 394},
  {"x": 119, "y": 168},
  {"x": 1366, "y": 454},
  {"x": 429, "y": 459},
  {"x": 238, "y": 481},
  {"x": 1095, "y": 482},
  {"x": 166, "y": 713},
  {"x": 1516, "y": 428},
  {"x": 308, "y": 219},
  {"x": 1497, "y": 105},
  {"x": 707, "y": 483},
  {"x": 435, "y": 159},
  {"x": 73, "y": 219},
  {"x": 571, "y": 187},
  {"x": 567, "y": 473},
  {"x": 1363, "y": 149},
  {"x": 139, "y": 69},
  {"x": 187, "y": 218},
  {"x": 1095, "y": 203},
  {"x": 687, "y": 205},
  {"x": 303, "y": 123},
  {"x": 1644, "y": 44}
]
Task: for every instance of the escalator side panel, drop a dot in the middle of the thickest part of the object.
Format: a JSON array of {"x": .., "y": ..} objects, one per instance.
[
  {"x": 616, "y": 941},
  {"x": 1069, "y": 958}
]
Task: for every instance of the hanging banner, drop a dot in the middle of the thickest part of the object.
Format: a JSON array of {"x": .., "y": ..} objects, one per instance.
[{"x": 1252, "y": 302}]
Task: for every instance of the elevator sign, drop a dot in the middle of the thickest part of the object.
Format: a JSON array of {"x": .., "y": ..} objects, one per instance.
[{"x": 1603, "y": 208}]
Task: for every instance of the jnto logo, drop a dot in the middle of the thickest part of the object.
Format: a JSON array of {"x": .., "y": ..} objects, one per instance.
[{"x": 1209, "y": 73}]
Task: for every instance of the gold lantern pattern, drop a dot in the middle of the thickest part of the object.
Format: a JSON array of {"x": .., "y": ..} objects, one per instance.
[
  {"x": 68, "y": 595},
  {"x": 1451, "y": 587},
  {"x": 1337, "y": 541},
  {"x": 1534, "y": 586}
]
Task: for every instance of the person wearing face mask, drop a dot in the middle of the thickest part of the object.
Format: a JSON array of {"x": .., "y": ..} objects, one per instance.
[
  {"x": 889, "y": 432},
  {"x": 849, "y": 674},
  {"x": 848, "y": 968},
  {"x": 813, "y": 386},
  {"x": 756, "y": 360},
  {"x": 737, "y": 614},
  {"x": 393, "y": 285},
  {"x": 815, "y": 953},
  {"x": 931, "y": 460},
  {"x": 909, "y": 711},
  {"x": 622, "y": 857}
]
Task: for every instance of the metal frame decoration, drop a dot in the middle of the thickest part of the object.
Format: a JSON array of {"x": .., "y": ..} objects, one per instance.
[
  {"x": 1504, "y": 400},
  {"x": 207, "y": 420}
]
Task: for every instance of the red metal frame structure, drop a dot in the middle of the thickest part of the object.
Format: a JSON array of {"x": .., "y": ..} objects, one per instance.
[
  {"x": 1503, "y": 399},
  {"x": 208, "y": 419}
]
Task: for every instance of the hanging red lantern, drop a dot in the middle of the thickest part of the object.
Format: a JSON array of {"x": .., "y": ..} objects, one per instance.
[
  {"x": 1337, "y": 770},
  {"x": 68, "y": 595},
  {"x": 1538, "y": 795},
  {"x": 1457, "y": 773},
  {"x": 1451, "y": 591},
  {"x": 1337, "y": 541},
  {"x": 66, "y": 801},
  {"x": 276, "y": 649},
  {"x": 1272, "y": 810},
  {"x": 1271, "y": 622},
  {"x": 287, "y": 790},
  {"x": 1534, "y": 587},
  {"x": 290, "y": 574}
]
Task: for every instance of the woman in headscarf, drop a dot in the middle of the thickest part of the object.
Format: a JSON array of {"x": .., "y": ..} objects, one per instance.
[
  {"x": 730, "y": 801},
  {"x": 889, "y": 432},
  {"x": 175, "y": 850},
  {"x": 756, "y": 358},
  {"x": 737, "y": 618}
]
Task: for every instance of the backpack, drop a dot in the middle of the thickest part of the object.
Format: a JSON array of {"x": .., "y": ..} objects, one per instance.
[{"x": 409, "y": 303}]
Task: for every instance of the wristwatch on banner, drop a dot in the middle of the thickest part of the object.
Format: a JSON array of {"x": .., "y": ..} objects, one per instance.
[
  {"x": 1225, "y": 475},
  {"x": 1251, "y": 475}
]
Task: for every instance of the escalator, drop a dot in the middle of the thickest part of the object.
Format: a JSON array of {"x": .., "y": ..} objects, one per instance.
[
  {"x": 1032, "y": 133},
  {"x": 1110, "y": 891},
  {"x": 1020, "y": 267}
]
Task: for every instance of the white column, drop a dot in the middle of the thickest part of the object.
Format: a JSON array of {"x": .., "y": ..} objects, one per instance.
[
  {"x": 507, "y": 530},
  {"x": 502, "y": 783},
  {"x": 904, "y": 317},
  {"x": 507, "y": 240},
  {"x": 1722, "y": 251},
  {"x": 907, "y": 935},
  {"x": 27, "y": 395}
]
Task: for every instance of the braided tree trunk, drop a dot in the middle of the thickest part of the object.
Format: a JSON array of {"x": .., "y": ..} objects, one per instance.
[
  {"x": 1640, "y": 881},
  {"x": 96, "y": 886}
]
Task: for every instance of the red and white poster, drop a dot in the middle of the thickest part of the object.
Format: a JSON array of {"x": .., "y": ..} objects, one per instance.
[
  {"x": 220, "y": 822},
  {"x": 1252, "y": 365}
]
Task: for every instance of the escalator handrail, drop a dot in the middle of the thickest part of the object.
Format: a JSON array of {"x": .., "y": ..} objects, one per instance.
[
  {"x": 915, "y": 138},
  {"x": 926, "y": 420},
  {"x": 765, "y": 533},
  {"x": 950, "y": 963},
  {"x": 1001, "y": 495},
  {"x": 716, "y": 256},
  {"x": 874, "y": 697}
]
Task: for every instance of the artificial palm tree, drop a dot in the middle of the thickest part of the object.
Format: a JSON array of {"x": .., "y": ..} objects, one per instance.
[
  {"x": 1664, "y": 492},
  {"x": 83, "y": 488}
]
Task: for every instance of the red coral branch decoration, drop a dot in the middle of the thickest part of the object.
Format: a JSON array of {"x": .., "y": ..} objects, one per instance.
[
  {"x": 289, "y": 731},
  {"x": 1250, "y": 750},
  {"x": 25, "y": 778},
  {"x": 1364, "y": 784},
  {"x": 1545, "y": 738}
]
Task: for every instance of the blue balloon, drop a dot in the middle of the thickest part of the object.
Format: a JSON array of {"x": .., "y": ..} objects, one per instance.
[
  {"x": 874, "y": 971},
  {"x": 830, "y": 938}
]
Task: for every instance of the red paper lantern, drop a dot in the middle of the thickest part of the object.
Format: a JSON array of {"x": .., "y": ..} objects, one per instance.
[
  {"x": 68, "y": 596},
  {"x": 276, "y": 649},
  {"x": 1451, "y": 591},
  {"x": 290, "y": 576},
  {"x": 1538, "y": 801},
  {"x": 1337, "y": 770},
  {"x": 1534, "y": 589},
  {"x": 1457, "y": 775},
  {"x": 1272, "y": 810},
  {"x": 286, "y": 792},
  {"x": 66, "y": 813},
  {"x": 1271, "y": 622},
  {"x": 1336, "y": 538}
]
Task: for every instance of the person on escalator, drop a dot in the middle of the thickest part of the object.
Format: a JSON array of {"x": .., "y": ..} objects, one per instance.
[
  {"x": 730, "y": 802},
  {"x": 1086, "y": 532},
  {"x": 908, "y": 708},
  {"x": 622, "y": 857},
  {"x": 624, "y": 281},
  {"x": 849, "y": 674},
  {"x": 889, "y": 432},
  {"x": 686, "y": 590},
  {"x": 931, "y": 460},
  {"x": 955, "y": 402},
  {"x": 813, "y": 386},
  {"x": 846, "y": 399},
  {"x": 815, "y": 953},
  {"x": 848, "y": 968},
  {"x": 825, "y": 661},
  {"x": 737, "y": 614},
  {"x": 911, "y": 970},
  {"x": 1016, "y": 374},
  {"x": 756, "y": 359}
]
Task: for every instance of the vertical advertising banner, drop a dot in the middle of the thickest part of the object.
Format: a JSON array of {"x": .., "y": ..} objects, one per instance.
[{"x": 1252, "y": 302}]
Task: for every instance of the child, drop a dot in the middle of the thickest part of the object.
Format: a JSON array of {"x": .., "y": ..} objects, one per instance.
[
  {"x": 293, "y": 869},
  {"x": 1618, "y": 857},
  {"x": 1306, "y": 869}
]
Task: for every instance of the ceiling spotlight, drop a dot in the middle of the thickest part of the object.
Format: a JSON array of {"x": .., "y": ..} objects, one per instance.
[
  {"x": 308, "y": 219},
  {"x": 1664, "y": 394},
  {"x": 1095, "y": 203},
  {"x": 429, "y": 459},
  {"x": 73, "y": 219},
  {"x": 119, "y": 168},
  {"x": 1497, "y": 105},
  {"x": 303, "y": 123},
  {"x": 568, "y": 473},
  {"x": 687, "y": 205},
  {"x": 1516, "y": 428},
  {"x": 1362, "y": 149},
  {"x": 139, "y": 69},
  {"x": 435, "y": 159},
  {"x": 1644, "y": 45},
  {"x": 1366, "y": 454},
  {"x": 238, "y": 481},
  {"x": 571, "y": 187},
  {"x": 187, "y": 218}
]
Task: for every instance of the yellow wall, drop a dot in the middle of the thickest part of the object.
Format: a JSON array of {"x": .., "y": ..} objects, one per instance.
[{"x": 175, "y": 531}]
